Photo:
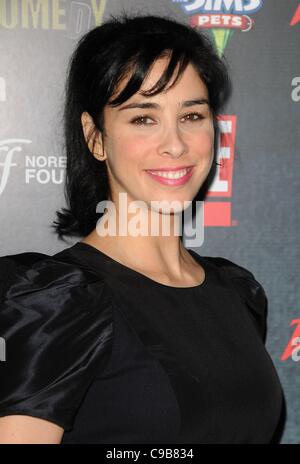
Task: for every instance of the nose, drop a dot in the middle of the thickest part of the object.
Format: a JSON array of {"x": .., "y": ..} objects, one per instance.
[{"x": 172, "y": 143}]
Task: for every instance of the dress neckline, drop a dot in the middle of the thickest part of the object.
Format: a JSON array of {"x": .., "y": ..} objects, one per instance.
[{"x": 199, "y": 259}]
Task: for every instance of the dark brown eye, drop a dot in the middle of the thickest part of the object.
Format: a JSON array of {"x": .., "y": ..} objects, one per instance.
[
  {"x": 140, "y": 121},
  {"x": 194, "y": 117}
]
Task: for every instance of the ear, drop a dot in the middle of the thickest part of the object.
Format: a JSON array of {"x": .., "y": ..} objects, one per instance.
[{"x": 94, "y": 143}]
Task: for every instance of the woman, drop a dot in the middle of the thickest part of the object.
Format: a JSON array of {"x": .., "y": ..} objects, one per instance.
[{"x": 133, "y": 338}]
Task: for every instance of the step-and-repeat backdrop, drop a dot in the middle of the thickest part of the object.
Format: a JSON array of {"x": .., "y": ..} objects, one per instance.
[{"x": 252, "y": 207}]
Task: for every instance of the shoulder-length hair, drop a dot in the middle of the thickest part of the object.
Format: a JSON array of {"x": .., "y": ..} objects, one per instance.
[{"x": 122, "y": 46}]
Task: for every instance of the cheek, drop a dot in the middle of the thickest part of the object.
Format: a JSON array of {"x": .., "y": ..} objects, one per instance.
[
  {"x": 130, "y": 150},
  {"x": 203, "y": 143},
  {"x": 126, "y": 155}
]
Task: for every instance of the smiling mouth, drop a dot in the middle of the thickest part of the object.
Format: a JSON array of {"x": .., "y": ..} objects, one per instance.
[
  {"x": 177, "y": 177},
  {"x": 175, "y": 174}
]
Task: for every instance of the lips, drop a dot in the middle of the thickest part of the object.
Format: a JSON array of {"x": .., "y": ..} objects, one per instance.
[
  {"x": 171, "y": 169},
  {"x": 160, "y": 175}
]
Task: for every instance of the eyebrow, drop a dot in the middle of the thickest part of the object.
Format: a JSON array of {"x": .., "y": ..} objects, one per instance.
[{"x": 185, "y": 104}]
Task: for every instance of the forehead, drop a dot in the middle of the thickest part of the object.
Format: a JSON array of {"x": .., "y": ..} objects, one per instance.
[
  {"x": 188, "y": 84},
  {"x": 188, "y": 81}
]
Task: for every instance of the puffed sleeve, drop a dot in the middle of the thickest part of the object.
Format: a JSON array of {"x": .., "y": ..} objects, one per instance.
[
  {"x": 56, "y": 321},
  {"x": 250, "y": 290}
]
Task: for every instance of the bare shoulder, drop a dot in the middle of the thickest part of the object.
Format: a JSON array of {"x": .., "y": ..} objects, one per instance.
[{"x": 23, "y": 429}]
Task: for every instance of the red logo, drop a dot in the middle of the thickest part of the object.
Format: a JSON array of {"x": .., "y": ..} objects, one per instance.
[
  {"x": 293, "y": 345},
  {"x": 218, "y": 213},
  {"x": 296, "y": 18}
]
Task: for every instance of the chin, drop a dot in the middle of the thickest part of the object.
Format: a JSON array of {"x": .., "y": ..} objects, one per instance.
[{"x": 169, "y": 206}]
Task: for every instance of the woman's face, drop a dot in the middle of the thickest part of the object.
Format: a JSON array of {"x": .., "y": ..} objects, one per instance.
[{"x": 174, "y": 133}]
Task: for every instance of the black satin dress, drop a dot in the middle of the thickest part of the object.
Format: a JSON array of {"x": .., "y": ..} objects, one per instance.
[{"x": 115, "y": 357}]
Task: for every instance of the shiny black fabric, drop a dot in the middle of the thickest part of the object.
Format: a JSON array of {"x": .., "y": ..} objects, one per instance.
[{"x": 112, "y": 356}]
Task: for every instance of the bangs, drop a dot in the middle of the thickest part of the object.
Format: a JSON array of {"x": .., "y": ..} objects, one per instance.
[{"x": 140, "y": 67}]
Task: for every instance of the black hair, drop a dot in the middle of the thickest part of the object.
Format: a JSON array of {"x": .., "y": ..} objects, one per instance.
[{"x": 123, "y": 46}]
